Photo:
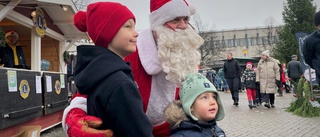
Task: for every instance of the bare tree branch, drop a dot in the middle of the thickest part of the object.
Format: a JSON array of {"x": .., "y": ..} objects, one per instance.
[
  {"x": 212, "y": 48},
  {"x": 270, "y": 32},
  {"x": 81, "y": 4}
]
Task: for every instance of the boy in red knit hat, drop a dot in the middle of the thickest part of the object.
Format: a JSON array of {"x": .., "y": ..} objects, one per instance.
[
  {"x": 102, "y": 74},
  {"x": 166, "y": 52}
]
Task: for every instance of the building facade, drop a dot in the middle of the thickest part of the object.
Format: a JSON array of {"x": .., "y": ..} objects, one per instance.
[{"x": 242, "y": 43}]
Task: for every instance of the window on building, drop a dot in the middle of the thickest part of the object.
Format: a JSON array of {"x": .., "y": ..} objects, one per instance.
[
  {"x": 246, "y": 40},
  {"x": 231, "y": 43},
  {"x": 237, "y": 42},
  {"x": 243, "y": 42},
  {"x": 226, "y": 43},
  {"x": 249, "y": 42},
  {"x": 217, "y": 43},
  {"x": 214, "y": 43},
  {"x": 265, "y": 40},
  {"x": 255, "y": 41}
]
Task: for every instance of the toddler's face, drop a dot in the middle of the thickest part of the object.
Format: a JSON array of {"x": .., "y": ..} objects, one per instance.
[{"x": 205, "y": 107}]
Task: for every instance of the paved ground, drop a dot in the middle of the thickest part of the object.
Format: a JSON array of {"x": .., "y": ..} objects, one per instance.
[
  {"x": 263, "y": 122},
  {"x": 259, "y": 122}
]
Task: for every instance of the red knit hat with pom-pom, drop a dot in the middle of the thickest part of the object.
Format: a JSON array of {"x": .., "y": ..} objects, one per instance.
[{"x": 102, "y": 21}]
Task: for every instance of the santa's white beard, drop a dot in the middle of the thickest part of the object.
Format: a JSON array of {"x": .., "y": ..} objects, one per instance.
[{"x": 178, "y": 52}]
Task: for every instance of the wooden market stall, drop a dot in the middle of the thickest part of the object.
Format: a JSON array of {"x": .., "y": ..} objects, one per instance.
[{"x": 32, "y": 96}]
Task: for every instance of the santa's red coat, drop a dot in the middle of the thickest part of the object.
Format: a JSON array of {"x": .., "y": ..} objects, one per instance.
[{"x": 155, "y": 90}]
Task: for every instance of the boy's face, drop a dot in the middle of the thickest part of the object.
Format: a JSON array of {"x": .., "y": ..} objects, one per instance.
[
  {"x": 125, "y": 41},
  {"x": 205, "y": 107}
]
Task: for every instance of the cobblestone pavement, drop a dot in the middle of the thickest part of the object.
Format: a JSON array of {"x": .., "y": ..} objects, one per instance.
[
  {"x": 263, "y": 122},
  {"x": 258, "y": 122}
]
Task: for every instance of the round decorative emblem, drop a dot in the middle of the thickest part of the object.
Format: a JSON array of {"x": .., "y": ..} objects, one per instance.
[
  {"x": 24, "y": 89},
  {"x": 39, "y": 23},
  {"x": 57, "y": 86}
]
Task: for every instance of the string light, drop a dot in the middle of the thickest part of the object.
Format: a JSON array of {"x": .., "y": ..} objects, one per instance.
[
  {"x": 33, "y": 13},
  {"x": 65, "y": 8}
]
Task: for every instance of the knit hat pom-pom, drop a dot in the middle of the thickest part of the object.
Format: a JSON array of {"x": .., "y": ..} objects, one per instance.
[{"x": 80, "y": 21}]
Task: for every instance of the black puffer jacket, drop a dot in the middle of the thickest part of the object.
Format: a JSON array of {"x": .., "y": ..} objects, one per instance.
[
  {"x": 232, "y": 69},
  {"x": 294, "y": 69},
  {"x": 249, "y": 78},
  {"x": 311, "y": 52},
  {"x": 6, "y": 56},
  {"x": 112, "y": 93}
]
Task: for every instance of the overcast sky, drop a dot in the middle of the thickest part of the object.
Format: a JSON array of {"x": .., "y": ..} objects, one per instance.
[{"x": 222, "y": 14}]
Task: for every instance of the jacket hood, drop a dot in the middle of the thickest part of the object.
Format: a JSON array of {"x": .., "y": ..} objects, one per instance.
[
  {"x": 94, "y": 64},
  {"x": 174, "y": 114}
]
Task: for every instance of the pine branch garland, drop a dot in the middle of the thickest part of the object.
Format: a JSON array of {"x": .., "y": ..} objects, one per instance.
[{"x": 302, "y": 106}]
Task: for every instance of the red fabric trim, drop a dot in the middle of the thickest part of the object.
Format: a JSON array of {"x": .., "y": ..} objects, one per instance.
[
  {"x": 78, "y": 95},
  {"x": 177, "y": 97},
  {"x": 162, "y": 130},
  {"x": 141, "y": 77}
]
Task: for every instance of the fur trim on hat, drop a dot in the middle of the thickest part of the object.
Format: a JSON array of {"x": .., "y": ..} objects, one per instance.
[{"x": 174, "y": 114}]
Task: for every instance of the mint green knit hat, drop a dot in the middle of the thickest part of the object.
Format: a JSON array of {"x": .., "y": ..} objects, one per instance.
[{"x": 192, "y": 87}]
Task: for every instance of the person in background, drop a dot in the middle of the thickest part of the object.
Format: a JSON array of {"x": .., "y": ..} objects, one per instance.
[
  {"x": 311, "y": 50},
  {"x": 294, "y": 71},
  {"x": 197, "y": 111},
  {"x": 112, "y": 94},
  {"x": 232, "y": 74},
  {"x": 258, "y": 94},
  {"x": 249, "y": 78},
  {"x": 12, "y": 55},
  {"x": 268, "y": 75},
  {"x": 224, "y": 82},
  {"x": 284, "y": 78}
]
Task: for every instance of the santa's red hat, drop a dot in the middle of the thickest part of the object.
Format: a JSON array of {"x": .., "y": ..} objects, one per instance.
[
  {"x": 163, "y": 11},
  {"x": 102, "y": 21}
]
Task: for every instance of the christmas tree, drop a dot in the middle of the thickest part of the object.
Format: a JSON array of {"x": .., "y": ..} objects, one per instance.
[{"x": 2, "y": 39}]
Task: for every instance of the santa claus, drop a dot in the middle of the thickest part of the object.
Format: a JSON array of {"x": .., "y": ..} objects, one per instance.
[{"x": 165, "y": 54}]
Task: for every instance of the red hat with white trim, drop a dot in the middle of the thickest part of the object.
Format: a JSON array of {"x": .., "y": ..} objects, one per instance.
[
  {"x": 163, "y": 11},
  {"x": 11, "y": 33}
]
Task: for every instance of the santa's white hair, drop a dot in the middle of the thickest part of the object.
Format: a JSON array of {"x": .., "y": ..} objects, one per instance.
[{"x": 178, "y": 52}]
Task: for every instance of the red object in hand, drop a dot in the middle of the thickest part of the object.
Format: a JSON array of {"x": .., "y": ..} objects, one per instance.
[{"x": 82, "y": 125}]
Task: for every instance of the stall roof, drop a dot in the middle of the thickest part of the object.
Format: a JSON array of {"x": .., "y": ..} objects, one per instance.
[{"x": 61, "y": 18}]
